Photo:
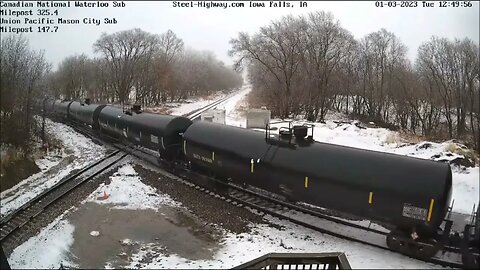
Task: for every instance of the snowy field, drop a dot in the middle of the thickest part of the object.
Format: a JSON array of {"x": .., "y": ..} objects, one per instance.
[
  {"x": 53, "y": 244},
  {"x": 76, "y": 153}
]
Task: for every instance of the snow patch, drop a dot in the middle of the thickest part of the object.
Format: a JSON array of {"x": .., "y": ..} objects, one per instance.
[
  {"x": 237, "y": 249},
  {"x": 232, "y": 116},
  {"x": 47, "y": 249},
  {"x": 126, "y": 242},
  {"x": 126, "y": 191},
  {"x": 77, "y": 147},
  {"x": 194, "y": 104}
]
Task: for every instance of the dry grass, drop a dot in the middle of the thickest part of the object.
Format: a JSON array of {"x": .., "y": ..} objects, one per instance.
[
  {"x": 393, "y": 138},
  {"x": 254, "y": 101},
  {"x": 158, "y": 110},
  {"x": 462, "y": 150},
  {"x": 14, "y": 154},
  {"x": 454, "y": 147},
  {"x": 242, "y": 106},
  {"x": 411, "y": 138},
  {"x": 402, "y": 138},
  {"x": 8, "y": 157}
]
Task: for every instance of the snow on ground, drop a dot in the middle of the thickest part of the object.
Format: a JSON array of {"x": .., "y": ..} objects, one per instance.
[
  {"x": 52, "y": 245},
  {"x": 238, "y": 249},
  {"x": 77, "y": 152},
  {"x": 351, "y": 135},
  {"x": 48, "y": 249},
  {"x": 233, "y": 116},
  {"x": 194, "y": 104},
  {"x": 126, "y": 191},
  {"x": 466, "y": 190}
]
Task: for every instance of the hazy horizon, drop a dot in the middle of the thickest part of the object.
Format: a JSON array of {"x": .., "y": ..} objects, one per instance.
[{"x": 212, "y": 28}]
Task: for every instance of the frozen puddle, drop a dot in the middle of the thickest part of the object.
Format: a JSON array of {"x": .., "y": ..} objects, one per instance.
[
  {"x": 96, "y": 236},
  {"x": 125, "y": 232},
  {"x": 126, "y": 217}
]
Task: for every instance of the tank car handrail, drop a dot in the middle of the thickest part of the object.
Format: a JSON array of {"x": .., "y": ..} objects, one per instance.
[{"x": 290, "y": 130}]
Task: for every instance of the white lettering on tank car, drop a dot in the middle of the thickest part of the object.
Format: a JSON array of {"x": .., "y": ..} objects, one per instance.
[
  {"x": 411, "y": 211},
  {"x": 202, "y": 158}
]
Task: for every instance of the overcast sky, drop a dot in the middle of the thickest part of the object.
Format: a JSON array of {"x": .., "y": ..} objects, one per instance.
[{"x": 211, "y": 29}]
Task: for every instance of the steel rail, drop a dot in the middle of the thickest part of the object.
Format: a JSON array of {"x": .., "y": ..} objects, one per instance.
[
  {"x": 196, "y": 113},
  {"x": 253, "y": 200},
  {"x": 37, "y": 205},
  {"x": 274, "y": 211}
]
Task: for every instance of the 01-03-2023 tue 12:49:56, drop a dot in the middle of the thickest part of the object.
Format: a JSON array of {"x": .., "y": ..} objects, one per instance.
[{"x": 425, "y": 4}]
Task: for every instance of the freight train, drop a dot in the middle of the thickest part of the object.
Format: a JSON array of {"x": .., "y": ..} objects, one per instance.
[{"x": 410, "y": 196}]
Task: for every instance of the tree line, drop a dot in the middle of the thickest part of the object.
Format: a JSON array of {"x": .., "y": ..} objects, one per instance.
[
  {"x": 132, "y": 66},
  {"x": 309, "y": 65},
  {"x": 137, "y": 66}
]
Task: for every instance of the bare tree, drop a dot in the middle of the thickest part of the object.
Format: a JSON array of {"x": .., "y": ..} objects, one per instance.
[
  {"x": 22, "y": 71},
  {"x": 170, "y": 48},
  {"x": 310, "y": 64},
  {"x": 326, "y": 44},
  {"x": 277, "y": 47},
  {"x": 124, "y": 51},
  {"x": 75, "y": 77}
]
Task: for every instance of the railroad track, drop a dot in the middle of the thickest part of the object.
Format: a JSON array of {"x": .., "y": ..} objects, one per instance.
[
  {"x": 196, "y": 113},
  {"x": 294, "y": 213},
  {"x": 302, "y": 216},
  {"x": 305, "y": 217},
  {"x": 23, "y": 215},
  {"x": 27, "y": 212},
  {"x": 329, "y": 225}
]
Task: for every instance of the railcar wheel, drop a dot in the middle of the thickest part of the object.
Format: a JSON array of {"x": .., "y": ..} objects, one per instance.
[
  {"x": 427, "y": 249},
  {"x": 405, "y": 245},
  {"x": 471, "y": 261},
  {"x": 393, "y": 242}
]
